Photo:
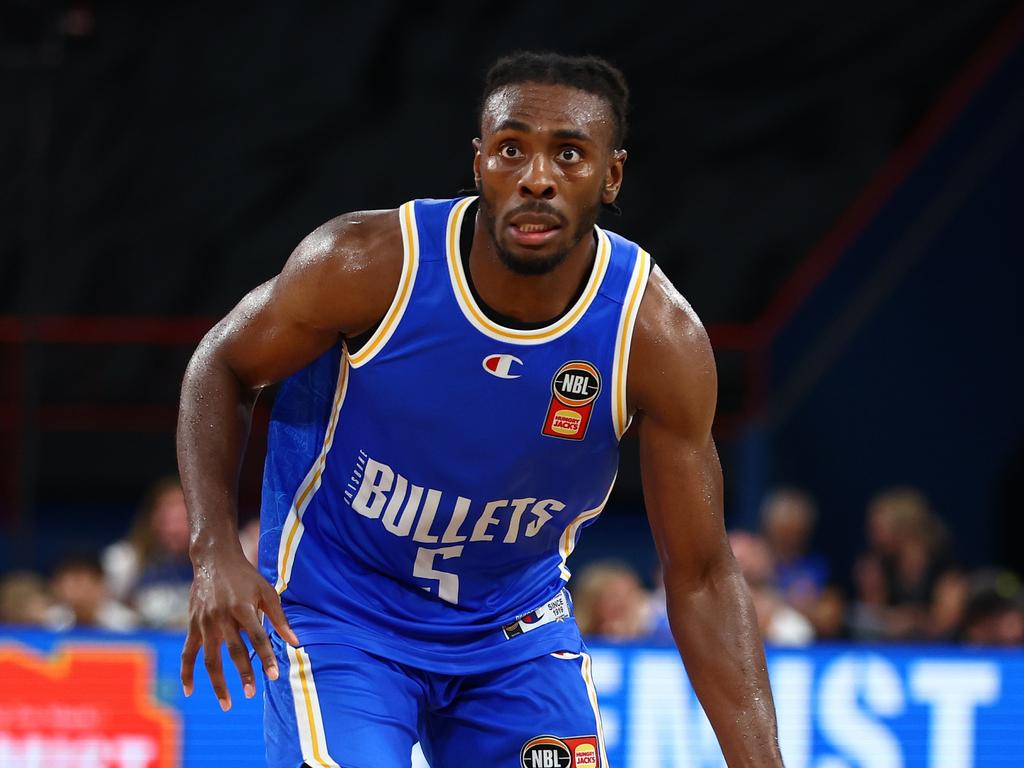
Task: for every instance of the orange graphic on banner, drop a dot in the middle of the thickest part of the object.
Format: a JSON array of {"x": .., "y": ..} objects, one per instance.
[{"x": 85, "y": 707}]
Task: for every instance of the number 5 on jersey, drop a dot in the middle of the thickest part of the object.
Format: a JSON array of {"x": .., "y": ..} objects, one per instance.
[{"x": 447, "y": 583}]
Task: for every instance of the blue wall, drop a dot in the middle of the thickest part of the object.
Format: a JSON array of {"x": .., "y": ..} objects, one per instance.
[{"x": 905, "y": 365}]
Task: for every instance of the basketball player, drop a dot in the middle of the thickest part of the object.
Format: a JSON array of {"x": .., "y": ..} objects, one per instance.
[{"x": 457, "y": 375}]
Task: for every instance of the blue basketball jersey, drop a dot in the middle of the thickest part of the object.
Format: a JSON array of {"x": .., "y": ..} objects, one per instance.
[{"x": 422, "y": 494}]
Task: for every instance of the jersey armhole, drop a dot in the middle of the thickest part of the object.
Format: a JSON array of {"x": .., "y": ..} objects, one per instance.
[
  {"x": 410, "y": 263},
  {"x": 621, "y": 417}
]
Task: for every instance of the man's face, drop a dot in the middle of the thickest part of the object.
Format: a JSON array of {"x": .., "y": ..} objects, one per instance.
[{"x": 544, "y": 165}]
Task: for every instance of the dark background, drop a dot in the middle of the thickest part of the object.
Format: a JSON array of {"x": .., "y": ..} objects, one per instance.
[{"x": 836, "y": 187}]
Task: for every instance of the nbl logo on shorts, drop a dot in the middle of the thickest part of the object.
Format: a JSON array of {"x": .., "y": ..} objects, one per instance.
[
  {"x": 553, "y": 752},
  {"x": 574, "y": 389},
  {"x": 546, "y": 752}
]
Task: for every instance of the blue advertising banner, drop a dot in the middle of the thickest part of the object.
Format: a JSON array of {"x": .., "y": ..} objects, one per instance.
[
  {"x": 97, "y": 700},
  {"x": 838, "y": 707}
]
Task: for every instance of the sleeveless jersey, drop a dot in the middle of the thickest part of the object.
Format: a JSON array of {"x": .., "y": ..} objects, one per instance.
[{"x": 421, "y": 495}]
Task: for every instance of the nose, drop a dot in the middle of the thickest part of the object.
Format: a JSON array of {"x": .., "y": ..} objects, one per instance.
[{"x": 537, "y": 180}]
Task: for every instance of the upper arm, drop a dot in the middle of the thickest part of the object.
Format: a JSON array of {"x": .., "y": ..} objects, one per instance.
[
  {"x": 672, "y": 388},
  {"x": 339, "y": 281}
]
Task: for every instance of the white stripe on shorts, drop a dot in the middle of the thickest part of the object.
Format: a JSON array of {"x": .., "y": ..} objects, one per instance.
[
  {"x": 588, "y": 679},
  {"x": 307, "y": 710}
]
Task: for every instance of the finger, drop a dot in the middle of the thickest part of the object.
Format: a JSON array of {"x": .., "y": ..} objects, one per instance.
[
  {"x": 214, "y": 669},
  {"x": 271, "y": 603},
  {"x": 193, "y": 642},
  {"x": 261, "y": 643},
  {"x": 240, "y": 656}
]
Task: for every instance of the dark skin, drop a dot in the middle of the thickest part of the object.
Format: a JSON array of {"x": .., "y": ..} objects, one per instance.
[{"x": 544, "y": 164}]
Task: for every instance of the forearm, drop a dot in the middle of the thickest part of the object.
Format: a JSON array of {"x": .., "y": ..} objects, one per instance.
[
  {"x": 213, "y": 426},
  {"x": 715, "y": 628}
]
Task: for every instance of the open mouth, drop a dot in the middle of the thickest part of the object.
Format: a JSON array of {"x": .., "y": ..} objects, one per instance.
[
  {"x": 533, "y": 234},
  {"x": 533, "y": 229}
]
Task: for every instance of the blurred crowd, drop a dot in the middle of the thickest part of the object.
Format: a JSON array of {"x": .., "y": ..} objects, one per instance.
[
  {"x": 142, "y": 580},
  {"x": 906, "y": 586}
]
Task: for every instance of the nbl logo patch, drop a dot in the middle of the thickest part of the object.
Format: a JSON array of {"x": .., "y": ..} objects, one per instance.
[
  {"x": 574, "y": 389},
  {"x": 553, "y": 752}
]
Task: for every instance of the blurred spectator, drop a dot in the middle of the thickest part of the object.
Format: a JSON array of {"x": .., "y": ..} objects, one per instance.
[
  {"x": 911, "y": 543},
  {"x": 788, "y": 517},
  {"x": 949, "y": 601},
  {"x": 780, "y": 623},
  {"x": 151, "y": 569},
  {"x": 659, "y": 630},
  {"x": 867, "y": 618},
  {"x": 828, "y": 614},
  {"x": 610, "y": 602},
  {"x": 907, "y": 589},
  {"x": 994, "y": 614},
  {"x": 24, "y": 599},
  {"x": 80, "y": 589}
]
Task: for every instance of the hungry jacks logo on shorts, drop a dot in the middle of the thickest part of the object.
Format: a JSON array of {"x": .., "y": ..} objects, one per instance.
[
  {"x": 574, "y": 389},
  {"x": 554, "y": 752}
]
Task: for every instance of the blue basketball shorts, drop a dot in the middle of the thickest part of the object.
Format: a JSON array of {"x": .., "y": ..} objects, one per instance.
[{"x": 335, "y": 706}]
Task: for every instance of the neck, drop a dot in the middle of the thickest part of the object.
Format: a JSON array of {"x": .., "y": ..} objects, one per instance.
[{"x": 527, "y": 298}]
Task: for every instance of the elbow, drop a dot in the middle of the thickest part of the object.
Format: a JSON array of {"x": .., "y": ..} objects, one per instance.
[
  {"x": 201, "y": 366},
  {"x": 209, "y": 372}
]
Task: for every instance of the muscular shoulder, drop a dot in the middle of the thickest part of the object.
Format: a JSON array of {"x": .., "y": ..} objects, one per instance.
[
  {"x": 671, "y": 374},
  {"x": 343, "y": 275}
]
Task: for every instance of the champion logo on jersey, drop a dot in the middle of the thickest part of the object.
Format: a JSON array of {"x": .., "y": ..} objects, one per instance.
[
  {"x": 501, "y": 366},
  {"x": 574, "y": 389}
]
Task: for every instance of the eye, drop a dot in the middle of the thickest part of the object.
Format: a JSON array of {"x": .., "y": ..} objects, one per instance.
[
  {"x": 570, "y": 155},
  {"x": 509, "y": 151}
]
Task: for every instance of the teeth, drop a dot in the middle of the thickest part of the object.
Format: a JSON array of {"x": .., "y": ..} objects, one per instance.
[{"x": 532, "y": 228}]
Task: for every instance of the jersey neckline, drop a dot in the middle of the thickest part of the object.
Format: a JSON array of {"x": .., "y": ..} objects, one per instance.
[
  {"x": 479, "y": 319},
  {"x": 466, "y": 232}
]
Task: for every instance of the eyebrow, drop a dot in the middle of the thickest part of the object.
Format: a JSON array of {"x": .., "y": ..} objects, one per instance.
[
  {"x": 511, "y": 124},
  {"x": 572, "y": 133}
]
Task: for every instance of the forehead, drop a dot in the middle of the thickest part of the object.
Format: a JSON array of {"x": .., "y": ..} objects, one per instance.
[{"x": 546, "y": 107}]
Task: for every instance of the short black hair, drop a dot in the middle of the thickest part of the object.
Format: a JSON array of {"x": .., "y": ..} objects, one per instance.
[{"x": 587, "y": 73}]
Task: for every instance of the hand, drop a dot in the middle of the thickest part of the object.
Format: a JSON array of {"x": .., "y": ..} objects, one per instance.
[{"x": 227, "y": 595}]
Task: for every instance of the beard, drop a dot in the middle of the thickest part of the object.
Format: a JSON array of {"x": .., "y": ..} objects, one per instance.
[{"x": 536, "y": 265}]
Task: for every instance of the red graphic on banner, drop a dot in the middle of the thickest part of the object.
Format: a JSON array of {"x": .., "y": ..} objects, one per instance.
[{"x": 85, "y": 707}]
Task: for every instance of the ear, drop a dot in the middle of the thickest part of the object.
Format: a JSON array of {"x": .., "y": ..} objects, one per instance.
[
  {"x": 613, "y": 176},
  {"x": 476, "y": 160}
]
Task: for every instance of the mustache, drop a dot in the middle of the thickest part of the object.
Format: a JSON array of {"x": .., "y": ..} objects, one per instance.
[{"x": 538, "y": 206}]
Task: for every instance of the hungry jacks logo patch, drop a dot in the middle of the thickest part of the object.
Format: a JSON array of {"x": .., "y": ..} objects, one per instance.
[{"x": 574, "y": 389}]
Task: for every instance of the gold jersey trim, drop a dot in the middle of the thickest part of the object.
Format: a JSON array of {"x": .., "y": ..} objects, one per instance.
[
  {"x": 410, "y": 265},
  {"x": 488, "y": 327},
  {"x": 627, "y": 320}
]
